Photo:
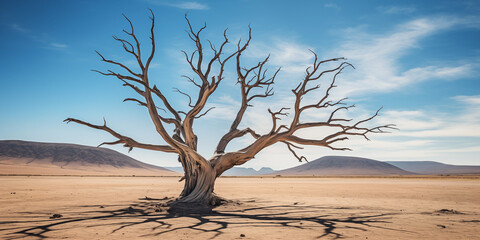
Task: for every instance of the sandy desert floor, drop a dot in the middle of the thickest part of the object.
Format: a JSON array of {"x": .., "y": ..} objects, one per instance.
[{"x": 268, "y": 208}]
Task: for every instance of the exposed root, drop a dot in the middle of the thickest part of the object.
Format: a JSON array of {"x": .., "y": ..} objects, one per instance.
[
  {"x": 182, "y": 208},
  {"x": 447, "y": 211},
  {"x": 179, "y": 207}
]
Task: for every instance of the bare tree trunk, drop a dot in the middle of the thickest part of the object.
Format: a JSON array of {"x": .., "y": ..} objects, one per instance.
[{"x": 199, "y": 182}]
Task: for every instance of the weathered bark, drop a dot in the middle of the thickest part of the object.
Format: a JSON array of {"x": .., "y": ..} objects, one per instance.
[
  {"x": 201, "y": 187},
  {"x": 199, "y": 181}
]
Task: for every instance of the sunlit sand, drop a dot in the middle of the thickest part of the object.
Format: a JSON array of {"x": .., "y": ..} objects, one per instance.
[{"x": 261, "y": 208}]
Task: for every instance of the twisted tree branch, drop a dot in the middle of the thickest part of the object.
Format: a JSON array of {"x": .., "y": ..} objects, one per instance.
[{"x": 127, "y": 141}]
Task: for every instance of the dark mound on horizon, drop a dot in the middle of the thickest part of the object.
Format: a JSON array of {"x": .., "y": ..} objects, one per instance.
[
  {"x": 344, "y": 166},
  {"x": 22, "y": 157},
  {"x": 435, "y": 168}
]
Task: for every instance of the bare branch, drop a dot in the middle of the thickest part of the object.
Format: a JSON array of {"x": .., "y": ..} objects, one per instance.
[
  {"x": 275, "y": 118},
  {"x": 159, "y": 94},
  {"x": 112, "y": 143},
  {"x": 135, "y": 100},
  {"x": 216, "y": 53},
  {"x": 222, "y": 144},
  {"x": 192, "y": 81},
  {"x": 132, "y": 34},
  {"x": 300, "y": 91},
  {"x": 126, "y": 43},
  {"x": 152, "y": 38},
  {"x": 127, "y": 142},
  {"x": 259, "y": 80},
  {"x": 144, "y": 81},
  {"x": 119, "y": 64},
  {"x": 142, "y": 93},
  {"x": 195, "y": 36},
  {"x": 183, "y": 93},
  {"x": 205, "y": 113},
  {"x": 290, "y": 145},
  {"x": 119, "y": 76},
  {"x": 206, "y": 88},
  {"x": 141, "y": 103}
]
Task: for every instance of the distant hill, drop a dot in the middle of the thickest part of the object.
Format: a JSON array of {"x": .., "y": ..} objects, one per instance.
[
  {"x": 242, "y": 171},
  {"x": 430, "y": 167},
  {"x": 22, "y": 157},
  {"x": 339, "y": 165},
  {"x": 265, "y": 171},
  {"x": 235, "y": 171}
]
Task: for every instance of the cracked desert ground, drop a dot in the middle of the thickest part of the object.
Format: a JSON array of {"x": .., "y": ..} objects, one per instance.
[{"x": 261, "y": 208}]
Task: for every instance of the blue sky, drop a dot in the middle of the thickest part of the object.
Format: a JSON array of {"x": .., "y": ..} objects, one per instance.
[{"x": 420, "y": 60}]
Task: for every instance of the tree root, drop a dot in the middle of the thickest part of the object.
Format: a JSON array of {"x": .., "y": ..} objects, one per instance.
[{"x": 178, "y": 207}]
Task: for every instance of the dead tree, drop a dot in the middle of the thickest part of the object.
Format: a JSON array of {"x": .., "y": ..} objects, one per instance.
[{"x": 253, "y": 82}]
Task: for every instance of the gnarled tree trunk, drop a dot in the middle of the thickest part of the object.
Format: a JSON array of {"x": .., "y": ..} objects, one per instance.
[{"x": 199, "y": 182}]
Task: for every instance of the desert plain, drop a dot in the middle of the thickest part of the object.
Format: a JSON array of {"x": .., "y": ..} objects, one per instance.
[{"x": 93, "y": 207}]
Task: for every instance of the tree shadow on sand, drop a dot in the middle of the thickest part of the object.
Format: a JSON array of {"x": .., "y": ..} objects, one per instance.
[{"x": 156, "y": 215}]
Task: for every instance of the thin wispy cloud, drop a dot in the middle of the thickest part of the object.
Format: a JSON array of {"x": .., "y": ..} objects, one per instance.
[
  {"x": 225, "y": 108},
  {"x": 18, "y": 28},
  {"x": 396, "y": 10},
  {"x": 189, "y": 5},
  {"x": 290, "y": 55},
  {"x": 470, "y": 100},
  {"x": 332, "y": 5},
  {"x": 44, "y": 39},
  {"x": 464, "y": 122},
  {"x": 58, "y": 45},
  {"x": 377, "y": 56}
]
